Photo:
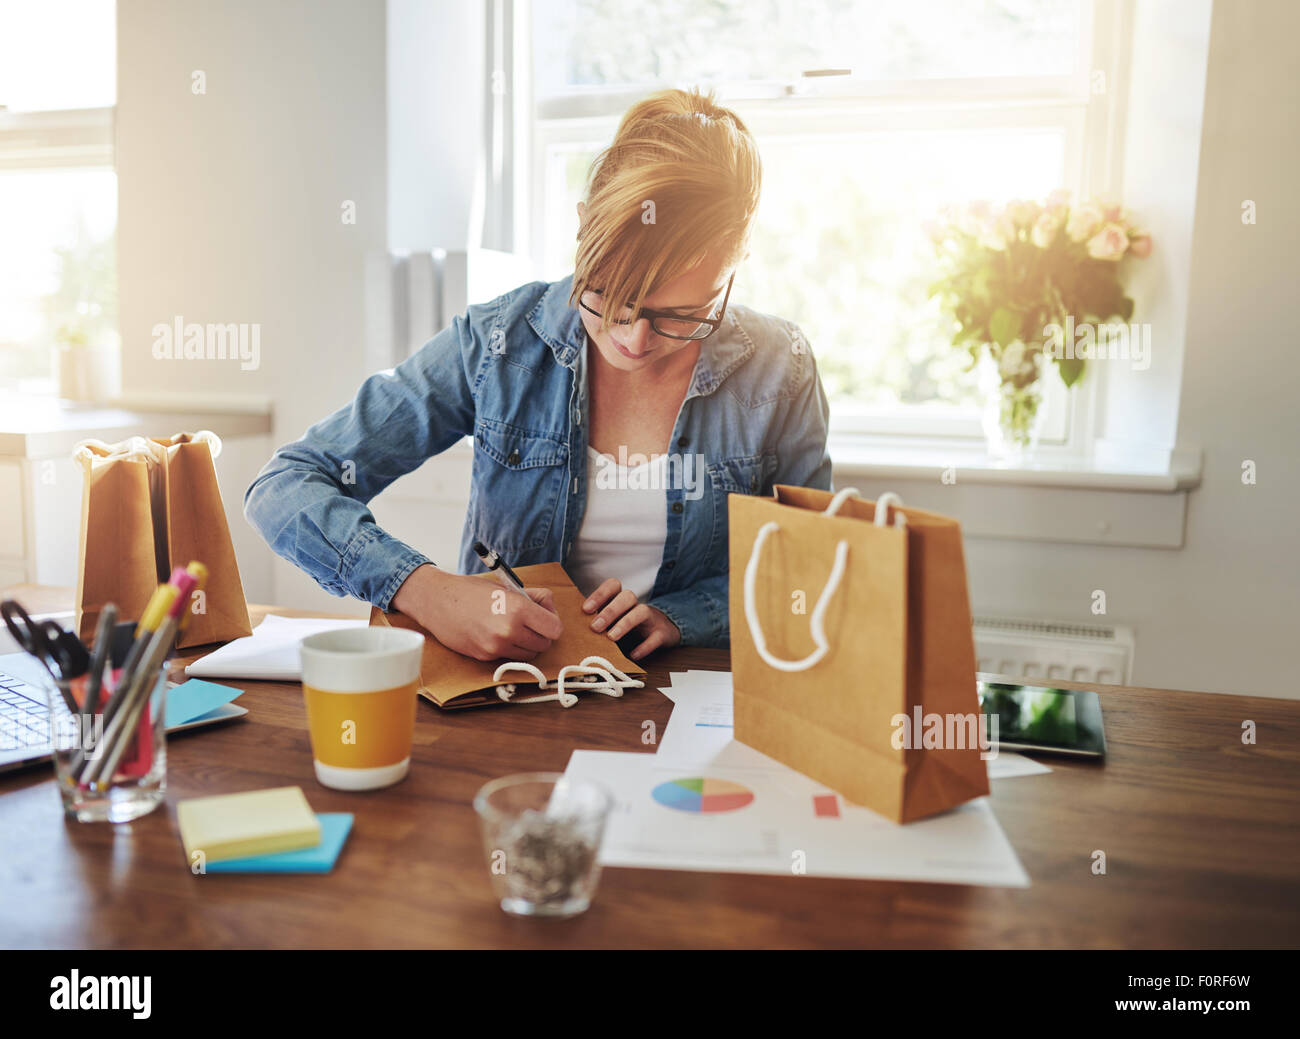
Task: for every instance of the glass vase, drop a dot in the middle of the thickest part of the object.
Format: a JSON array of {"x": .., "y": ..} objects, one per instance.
[{"x": 1013, "y": 420}]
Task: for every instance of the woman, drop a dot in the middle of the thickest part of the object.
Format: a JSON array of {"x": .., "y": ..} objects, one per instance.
[{"x": 612, "y": 414}]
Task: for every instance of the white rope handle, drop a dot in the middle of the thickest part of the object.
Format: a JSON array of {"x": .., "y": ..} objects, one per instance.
[
  {"x": 520, "y": 665},
  {"x": 882, "y": 509},
  {"x": 610, "y": 680},
  {"x": 817, "y": 622},
  {"x": 819, "y": 611},
  {"x": 206, "y": 436},
  {"x": 882, "y": 505},
  {"x": 507, "y": 693},
  {"x": 841, "y": 496},
  {"x": 594, "y": 674},
  {"x": 84, "y": 452}
]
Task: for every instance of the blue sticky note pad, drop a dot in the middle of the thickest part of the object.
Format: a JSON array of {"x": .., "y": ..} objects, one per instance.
[
  {"x": 334, "y": 830},
  {"x": 195, "y": 698}
]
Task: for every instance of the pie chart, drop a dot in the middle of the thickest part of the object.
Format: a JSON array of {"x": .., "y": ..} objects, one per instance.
[{"x": 701, "y": 794}]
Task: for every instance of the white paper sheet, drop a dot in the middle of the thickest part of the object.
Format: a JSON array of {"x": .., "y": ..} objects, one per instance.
[
  {"x": 701, "y": 723},
  {"x": 270, "y": 652},
  {"x": 789, "y": 826},
  {"x": 687, "y": 680},
  {"x": 1008, "y": 765},
  {"x": 700, "y": 728}
]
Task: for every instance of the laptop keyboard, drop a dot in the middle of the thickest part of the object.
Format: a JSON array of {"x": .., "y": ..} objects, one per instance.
[{"x": 24, "y": 716}]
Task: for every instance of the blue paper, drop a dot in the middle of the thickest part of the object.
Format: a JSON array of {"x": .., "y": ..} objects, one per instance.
[
  {"x": 334, "y": 830},
  {"x": 195, "y": 698}
]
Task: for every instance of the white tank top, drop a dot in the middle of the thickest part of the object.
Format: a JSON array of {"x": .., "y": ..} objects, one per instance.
[{"x": 624, "y": 526}]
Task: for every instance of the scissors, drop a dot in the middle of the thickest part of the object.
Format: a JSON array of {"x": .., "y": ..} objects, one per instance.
[{"x": 61, "y": 652}]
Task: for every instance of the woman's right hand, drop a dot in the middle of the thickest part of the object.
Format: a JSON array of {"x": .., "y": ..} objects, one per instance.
[{"x": 477, "y": 618}]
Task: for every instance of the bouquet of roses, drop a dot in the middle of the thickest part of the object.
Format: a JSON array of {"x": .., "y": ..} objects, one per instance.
[{"x": 1009, "y": 273}]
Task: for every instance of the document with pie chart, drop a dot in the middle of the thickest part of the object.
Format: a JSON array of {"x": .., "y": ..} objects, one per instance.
[{"x": 754, "y": 815}]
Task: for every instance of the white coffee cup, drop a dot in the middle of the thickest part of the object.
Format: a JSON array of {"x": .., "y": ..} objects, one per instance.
[{"x": 360, "y": 688}]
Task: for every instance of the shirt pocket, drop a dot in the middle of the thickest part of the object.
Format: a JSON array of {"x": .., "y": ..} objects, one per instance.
[
  {"x": 745, "y": 475},
  {"x": 519, "y": 479}
]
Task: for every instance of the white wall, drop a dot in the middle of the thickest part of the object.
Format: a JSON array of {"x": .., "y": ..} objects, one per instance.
[
  {"x": 1163, "y": 111},
  {"x": 435, "y": 121},
  {"x": 1220, "y": 613},
  {"x": 230, "y": 206}
]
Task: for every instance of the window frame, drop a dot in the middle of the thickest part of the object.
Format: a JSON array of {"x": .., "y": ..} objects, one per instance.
[
  {"x": 57, "y": 138},
  {"x": 1092, "y": 123}
]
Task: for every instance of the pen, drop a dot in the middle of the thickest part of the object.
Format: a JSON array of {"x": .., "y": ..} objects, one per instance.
[
  {"x": 493, "y": 561},
  {"x": 98, "y": 658}
]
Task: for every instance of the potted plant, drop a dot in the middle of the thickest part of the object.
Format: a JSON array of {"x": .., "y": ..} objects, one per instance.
[
  {"x": 82, "y": 316},
  {"x": 1012, "y": 277},
  {"x": 85, "y": 370}
]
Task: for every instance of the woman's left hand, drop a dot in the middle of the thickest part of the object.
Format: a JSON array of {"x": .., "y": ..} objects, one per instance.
[{"x": 620, "y": 613}]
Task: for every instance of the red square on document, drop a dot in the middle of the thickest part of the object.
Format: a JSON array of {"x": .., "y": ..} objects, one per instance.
[{"x": 826, "y": 806}]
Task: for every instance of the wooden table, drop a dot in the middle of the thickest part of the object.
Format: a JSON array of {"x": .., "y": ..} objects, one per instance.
[{"x": 1201, "y": 835}]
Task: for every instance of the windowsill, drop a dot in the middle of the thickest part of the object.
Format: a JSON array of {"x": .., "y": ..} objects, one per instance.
[
  {"x": 41, "y": 427},
  {"x": 1058, "y": 498},
  {"x": 969, "y": 463}
]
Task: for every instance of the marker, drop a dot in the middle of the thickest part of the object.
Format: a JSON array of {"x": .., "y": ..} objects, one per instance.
[
  {"x": 200, "y": 574},
  {"x": 189, "y": 581}
]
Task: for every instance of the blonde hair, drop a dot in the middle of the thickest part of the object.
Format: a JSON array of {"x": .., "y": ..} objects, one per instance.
[{"x": 680, "y": 182}]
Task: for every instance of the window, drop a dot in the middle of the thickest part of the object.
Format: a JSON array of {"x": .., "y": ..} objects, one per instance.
[
  {"x": 910, "y": 104},
  {"x": 58, "y": 191}
]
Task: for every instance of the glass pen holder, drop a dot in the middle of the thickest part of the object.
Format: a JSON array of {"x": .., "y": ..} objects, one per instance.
[{"x": 127, "y": 734}]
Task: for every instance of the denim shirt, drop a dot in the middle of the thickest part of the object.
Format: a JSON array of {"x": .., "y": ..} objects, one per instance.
[{"x": 512, "y": 374}]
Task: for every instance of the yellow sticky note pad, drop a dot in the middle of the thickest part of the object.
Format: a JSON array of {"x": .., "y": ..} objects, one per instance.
[{"x": 256, "y": 822}]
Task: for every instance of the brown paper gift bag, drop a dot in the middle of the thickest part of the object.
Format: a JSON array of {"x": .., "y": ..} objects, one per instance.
[
  {"x": 149, "y": 505},
  {"x": 453, "y": 681},
  {"x": 841, "y": 623}
]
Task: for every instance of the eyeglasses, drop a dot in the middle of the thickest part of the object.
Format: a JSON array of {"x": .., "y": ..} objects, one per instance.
[{"x": 664, "y": 323}]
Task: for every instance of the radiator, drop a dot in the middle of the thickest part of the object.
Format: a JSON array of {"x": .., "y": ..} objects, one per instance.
[
  {"x": 1045, "y": 651},
  {"x": 413, "y": 295}
]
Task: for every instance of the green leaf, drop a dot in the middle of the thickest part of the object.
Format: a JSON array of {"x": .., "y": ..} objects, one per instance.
[
  {"x": 1004, "y": 326},
  {"x": 1071, "y": 369}
]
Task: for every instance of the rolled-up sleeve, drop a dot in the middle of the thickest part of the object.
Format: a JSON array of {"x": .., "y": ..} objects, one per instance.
[
  {"x": 700, "y": 612},
  {"x": 310, "y": 501}
]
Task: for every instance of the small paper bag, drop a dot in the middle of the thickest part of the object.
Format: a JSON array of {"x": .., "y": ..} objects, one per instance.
[
  {"x": 452, "y": 681},
  {"x": 842, "y": 626},
  {"x": 149, "y": 505}
]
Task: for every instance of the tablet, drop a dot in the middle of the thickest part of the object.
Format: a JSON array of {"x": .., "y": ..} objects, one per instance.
[{"x": 1043, "y": 719}]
